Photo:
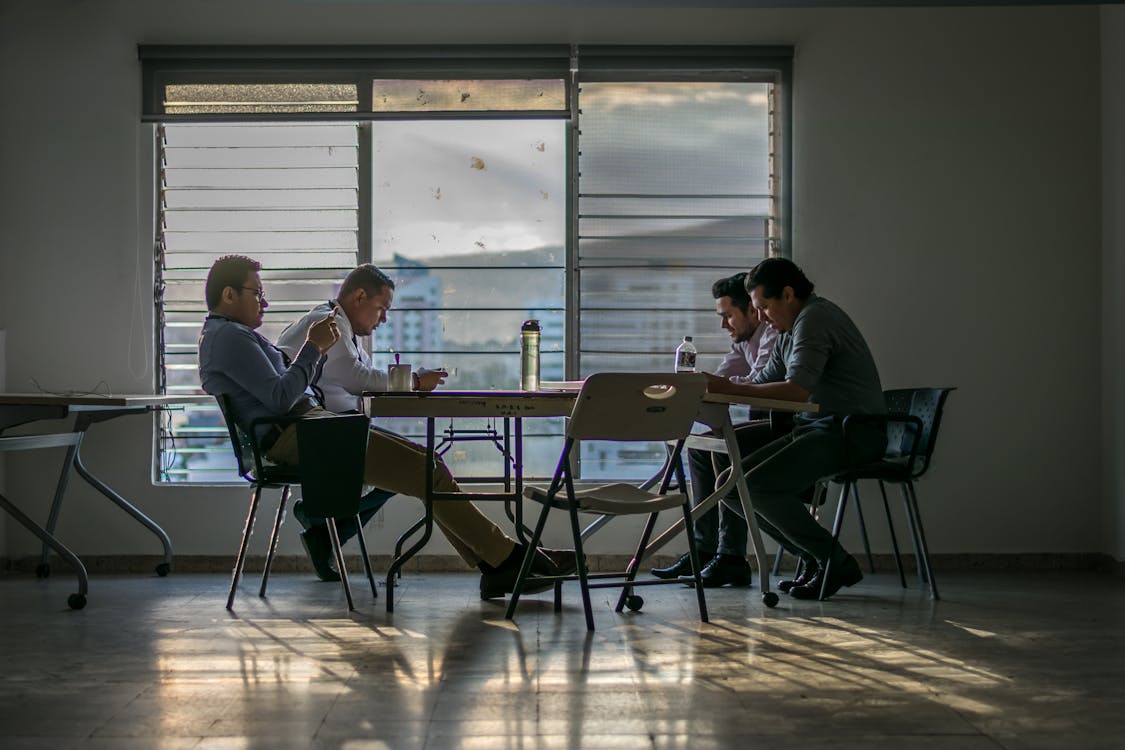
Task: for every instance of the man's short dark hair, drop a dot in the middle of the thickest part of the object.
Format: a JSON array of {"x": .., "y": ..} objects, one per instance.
[
  {"x": 368, "y": 278},
  {"x": 230, "y": 270},
  {"x": 774, "y": 274},
  {"x": 735, "y": 288}
]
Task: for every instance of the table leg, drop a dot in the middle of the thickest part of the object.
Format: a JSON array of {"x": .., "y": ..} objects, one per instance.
[
  {"x": 75, "y": 601},
  {"x": 768, "y": 597},
  {"x": 428, "y": 501},
  {"x": 43, "y": 569}
]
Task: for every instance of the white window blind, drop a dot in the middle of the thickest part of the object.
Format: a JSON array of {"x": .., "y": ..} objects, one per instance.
[
  {"x": 676, "y": 191},
  {"x": 284, "y": 194}
]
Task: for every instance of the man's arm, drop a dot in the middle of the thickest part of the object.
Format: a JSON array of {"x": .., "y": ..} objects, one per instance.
[
  {"x": 784, "y": 390},
  {"x": 347, "y": 369},
  {"x": 241, "y": 358}
]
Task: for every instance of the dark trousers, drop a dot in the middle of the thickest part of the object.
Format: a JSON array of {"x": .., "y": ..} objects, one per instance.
[
  {"x": 780, "y": 474},
  {"x": 719, "y": 531}
]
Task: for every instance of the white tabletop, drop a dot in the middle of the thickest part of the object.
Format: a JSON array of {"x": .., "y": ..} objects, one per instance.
[{"x": 109, "y": 400}]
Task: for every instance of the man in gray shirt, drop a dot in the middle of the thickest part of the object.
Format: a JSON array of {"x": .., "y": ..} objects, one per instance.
[{"x": 820, "y": 357}]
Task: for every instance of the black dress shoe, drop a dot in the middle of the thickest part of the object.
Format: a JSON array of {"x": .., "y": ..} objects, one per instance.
[
  {"x": 318, "y": 547},
  {"x": 846, "y": 573},
  {"x": 681, "y": 567},
  {"x": 723, "y": 570},
  {"x": 808, "y": 573},
  {"x": 501, "y": 581}
]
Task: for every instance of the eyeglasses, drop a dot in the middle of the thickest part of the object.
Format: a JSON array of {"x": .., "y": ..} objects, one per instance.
[{"x": 258, "y": 292}]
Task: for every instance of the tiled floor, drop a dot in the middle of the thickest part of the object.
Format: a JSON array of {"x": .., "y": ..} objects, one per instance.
[{"x": 1004, "y": 661}]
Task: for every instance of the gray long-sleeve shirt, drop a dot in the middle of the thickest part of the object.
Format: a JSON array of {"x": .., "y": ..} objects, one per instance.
[
  {"x": 239, "y": 362},
  {"x": 826, "y": 355}
]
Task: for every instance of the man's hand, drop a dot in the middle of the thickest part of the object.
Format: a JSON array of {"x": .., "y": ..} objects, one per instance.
[
  {"x": 323, "y": 334},
  {"x": 427, "y": 380},
  {"x": 717, "y": 384}
]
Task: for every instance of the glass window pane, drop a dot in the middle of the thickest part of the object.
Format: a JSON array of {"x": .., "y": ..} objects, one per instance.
[
  {"x": 485, "y": 95},
  {"x": 207, "y": 98}
]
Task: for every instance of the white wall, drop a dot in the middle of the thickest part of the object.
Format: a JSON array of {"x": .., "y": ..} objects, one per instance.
[
  {"x": 1113, "y": 276},
  {"x": 946, "y": 169}
]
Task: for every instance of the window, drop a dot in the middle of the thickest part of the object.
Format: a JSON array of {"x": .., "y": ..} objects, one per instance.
[{"x": 601, "y": 191}]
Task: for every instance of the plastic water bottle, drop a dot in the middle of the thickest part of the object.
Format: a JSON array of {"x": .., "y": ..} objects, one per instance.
[
  {"x": 529, "y": 355},
  {"x": 685, "y": 356}
]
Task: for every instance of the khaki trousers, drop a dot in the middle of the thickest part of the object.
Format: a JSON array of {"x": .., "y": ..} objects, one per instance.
[{"x": 397, "y": 465}]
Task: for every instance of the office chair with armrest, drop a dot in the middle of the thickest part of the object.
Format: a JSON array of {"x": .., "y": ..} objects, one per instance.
[
  {"x": 912, "y": 420},
  {"x": 342, "y": 468},
  {"x": 620, "y": 407}
]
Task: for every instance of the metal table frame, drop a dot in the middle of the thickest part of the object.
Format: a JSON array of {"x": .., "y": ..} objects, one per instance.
[
  {"x": 434, "y": 405},
  {"x": 22, "y": 408},
  {"x": 517, "y": 405}
]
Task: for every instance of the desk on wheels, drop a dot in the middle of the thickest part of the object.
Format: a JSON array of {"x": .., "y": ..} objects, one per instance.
[
  {"x": 23, "y": 408},
  {"x": 434, "y": 405}
]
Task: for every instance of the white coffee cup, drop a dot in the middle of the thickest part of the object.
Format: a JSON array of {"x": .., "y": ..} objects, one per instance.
[{"x": 399, "y": 378}]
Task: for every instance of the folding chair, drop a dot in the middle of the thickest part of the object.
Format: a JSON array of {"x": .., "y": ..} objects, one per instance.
[
  {"x": 620, "y": 407},
  {"x": 332, "y": 451}
]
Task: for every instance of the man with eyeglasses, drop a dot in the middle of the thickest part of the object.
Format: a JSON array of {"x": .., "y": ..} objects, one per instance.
[{"x": 236, "y": 361}]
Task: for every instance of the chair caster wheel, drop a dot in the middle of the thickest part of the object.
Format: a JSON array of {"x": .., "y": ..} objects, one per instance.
[
  {"x": 634, "y": 603},
  {"x": 163, "y": 569},
  {"x": 76, "y": 601},
  {"x": 769, "y": 599},
  {"x": 42, "y": 570}
]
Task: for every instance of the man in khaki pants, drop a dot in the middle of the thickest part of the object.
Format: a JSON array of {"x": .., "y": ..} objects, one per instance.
[{"x": 237, "y": 361}]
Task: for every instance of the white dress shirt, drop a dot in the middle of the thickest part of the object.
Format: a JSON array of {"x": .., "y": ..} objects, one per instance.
[
  {"x": 347, "y": 371},
  {"x": 747, "y": 358}
]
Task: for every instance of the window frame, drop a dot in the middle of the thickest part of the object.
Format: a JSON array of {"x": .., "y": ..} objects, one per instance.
[{"x": 574, "y": 64}]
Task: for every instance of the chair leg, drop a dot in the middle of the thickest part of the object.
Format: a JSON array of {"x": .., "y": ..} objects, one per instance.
[
  {"x": 247, "y": 530},
  {"x": 583, "y": 573},
  {"x": 366, "y": 558},
  {"x": 827, "y": 563},
  {"x": 777, "y": 560},
  {"x": 693, "y": 552},
  {"x": 917, "y": 520},
  {"x": 863, "y": 528},
  {"x": 894, "y": 536},
  {"x": 274, "y": 534},
  {"x": 335, "y": 537},
  {"x": 635, "y": 563},
  {"x": 529, "y": 556},
  {"x": 914, "y": 536}
]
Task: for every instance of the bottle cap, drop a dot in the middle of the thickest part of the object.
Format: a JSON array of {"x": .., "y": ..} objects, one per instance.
[
  {"x": 687, "y": 338},
  {"x": 530, "y": 325}
]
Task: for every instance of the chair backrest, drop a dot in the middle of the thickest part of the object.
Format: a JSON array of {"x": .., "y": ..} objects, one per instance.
[
  {"x": 241, "y": 442},
  {"x": 927, "y": 405},
  {"x": 332, "y": 452},
  {"x": 637, "y": 406}
]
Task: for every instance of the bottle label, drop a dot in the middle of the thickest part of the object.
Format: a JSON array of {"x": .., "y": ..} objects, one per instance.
[{"x": 685, "y": 360}]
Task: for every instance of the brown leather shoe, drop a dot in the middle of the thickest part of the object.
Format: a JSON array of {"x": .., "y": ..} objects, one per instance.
[{"x": 563, "y": 561}]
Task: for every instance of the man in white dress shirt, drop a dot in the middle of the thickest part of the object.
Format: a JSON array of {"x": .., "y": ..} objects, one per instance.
[
  {"x": 720, "y": 535},
  {"x": 363, "y": 299}
]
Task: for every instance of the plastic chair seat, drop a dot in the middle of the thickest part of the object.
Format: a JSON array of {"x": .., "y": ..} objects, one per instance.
[
  {"x": 615, "y": 499},
  {"x": 886, "y": 469}
]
